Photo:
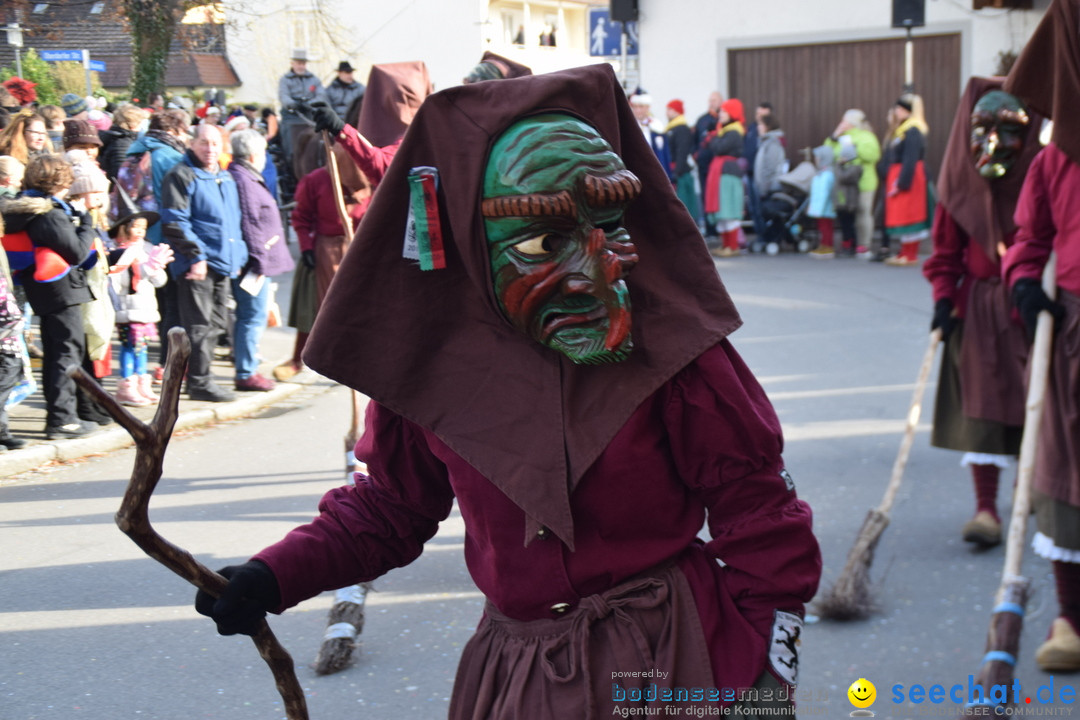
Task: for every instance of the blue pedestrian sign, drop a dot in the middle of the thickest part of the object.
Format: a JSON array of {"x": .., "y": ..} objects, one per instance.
[
  {"x": 61, "y": 55},
  {"x": 71, "y": 56},
  {"x": 605, "y": 36}
]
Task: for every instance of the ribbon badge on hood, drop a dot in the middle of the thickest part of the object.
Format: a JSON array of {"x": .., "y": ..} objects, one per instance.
[{"x": 423, "y": 229}]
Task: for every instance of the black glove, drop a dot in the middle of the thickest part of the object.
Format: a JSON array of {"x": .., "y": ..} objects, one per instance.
[
  {"x": 302, "y": 109},
  {"x": 1029, "y": 298},
  {"x": 308, "y": 258},
  {"x": 252, "y": 590},
  {"x": 326, "y": 119},
  {"x": 943, "y": 317}
]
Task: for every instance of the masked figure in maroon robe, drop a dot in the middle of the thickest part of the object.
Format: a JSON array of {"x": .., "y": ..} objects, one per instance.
[
  {"x": 543, "y": 336},
  {"x": 980, "y": 400},
  {"x": 1047, "y": 78}
]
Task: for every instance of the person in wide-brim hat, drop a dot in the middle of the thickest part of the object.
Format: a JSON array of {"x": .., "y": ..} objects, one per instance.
[{"x": 128, "y": 212}]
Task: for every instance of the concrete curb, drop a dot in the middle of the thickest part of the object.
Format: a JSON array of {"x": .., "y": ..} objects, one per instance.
[{"x": 30, "y": 458}]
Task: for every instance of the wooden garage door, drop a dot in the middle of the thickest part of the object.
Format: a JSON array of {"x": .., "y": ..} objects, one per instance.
[{"x": 810, "y": 86}]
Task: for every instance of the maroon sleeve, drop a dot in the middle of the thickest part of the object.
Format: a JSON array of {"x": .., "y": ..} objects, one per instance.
[
  {"x": 305, "y": 213},
  {"x": 947, "y": 263},
  {"x": 381, "y": 523},
  {"x": 727, "y": 444},
  {"x": 1035, "y": 227},
  {"x": 372, "y": 161}
]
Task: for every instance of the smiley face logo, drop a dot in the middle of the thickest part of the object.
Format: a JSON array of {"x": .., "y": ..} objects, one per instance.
[{"x": 862, "y": 694}]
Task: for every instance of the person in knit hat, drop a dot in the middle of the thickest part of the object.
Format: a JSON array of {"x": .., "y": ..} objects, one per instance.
[
  {"x": 724, "y": 194},
  {"x": 89, "y": 190},
  {"x": 22, "y": 90},
  {"x": 81, "y": 135},
  {"x": 641, "y": 104},
  {"x": 75, "y": 106},
  {"x": 909, "y": 205},
  {"x": 680, "y": 143}
]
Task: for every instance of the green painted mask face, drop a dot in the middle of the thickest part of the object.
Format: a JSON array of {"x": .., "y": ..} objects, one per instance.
[
  {"x": 999, "y": 124},
  {"x": 554, "y": 196}
]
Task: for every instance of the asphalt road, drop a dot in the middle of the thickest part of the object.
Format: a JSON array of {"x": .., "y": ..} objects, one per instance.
[{"x": 90, "y": 627}]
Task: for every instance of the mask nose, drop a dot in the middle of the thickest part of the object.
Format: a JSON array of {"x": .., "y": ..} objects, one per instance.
[{"x": 577, "y": 285}]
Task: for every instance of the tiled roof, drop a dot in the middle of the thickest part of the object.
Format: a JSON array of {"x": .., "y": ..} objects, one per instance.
[
  {"x": 183, "y": 70},
  {"x": 197, "y": 56}
]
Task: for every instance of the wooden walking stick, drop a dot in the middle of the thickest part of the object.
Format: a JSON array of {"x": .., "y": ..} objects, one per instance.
[
  {"x": 133, "y": 517},
  {"x": 353, "y": 433},
  {"x": 850, "y": 597},
  {"x": 1007, "y": 620}
]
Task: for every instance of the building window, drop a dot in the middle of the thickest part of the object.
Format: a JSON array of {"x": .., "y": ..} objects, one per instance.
[
  {"x": 302, "y": 32},
  {"x": 513, "y": 28},
  {"x": 97, "y": 8},
  {"x": 40, "y": 8}
]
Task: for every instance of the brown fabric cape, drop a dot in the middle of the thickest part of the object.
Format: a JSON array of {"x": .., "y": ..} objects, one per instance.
[
  {"x": 983, "y": 208},
  {"x": 394, "y": 93},
  {"x": 1047, "y": 74},
  {"x": 434, "y": 347},
  {"x": 510, "y": 69}
]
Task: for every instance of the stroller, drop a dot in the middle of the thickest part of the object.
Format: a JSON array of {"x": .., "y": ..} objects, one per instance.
[{"x": 784, "y": 211}]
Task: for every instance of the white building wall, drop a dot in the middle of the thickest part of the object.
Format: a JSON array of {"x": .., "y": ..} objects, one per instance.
[
  {"x": 683, "y": 42},
  {"x": 445, "y": 34}
]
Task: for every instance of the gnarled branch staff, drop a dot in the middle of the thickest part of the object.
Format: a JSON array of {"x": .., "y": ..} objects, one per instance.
[{"x": 134, "y": 520}]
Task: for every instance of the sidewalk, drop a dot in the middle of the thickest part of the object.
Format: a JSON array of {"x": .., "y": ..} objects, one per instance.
[{"x": 27, "y": 420}]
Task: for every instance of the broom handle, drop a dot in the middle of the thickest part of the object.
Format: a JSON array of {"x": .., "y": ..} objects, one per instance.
[
  {"x": 335, "y": 180},
  {"x": 912, "y": 421},
  {"x": 1036, "y": 397}
]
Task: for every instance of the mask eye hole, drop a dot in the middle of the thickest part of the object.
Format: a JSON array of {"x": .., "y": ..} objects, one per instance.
[
  {"x": 541, "y": 245},
  {"x": 610, "y": 227}
]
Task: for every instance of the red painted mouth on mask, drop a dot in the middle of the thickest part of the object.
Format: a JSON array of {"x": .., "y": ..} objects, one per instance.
[{"x": 556, "y": 319}]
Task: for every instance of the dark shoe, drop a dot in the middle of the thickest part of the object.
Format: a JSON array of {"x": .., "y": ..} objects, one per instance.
[
  {"x": 94, "y": 414},
  {"x": 210, "y": 393},
  {"x": 9, "y": 441},
  {"x": 254, "y": 383},
  {"x": 71, "y": 430}
]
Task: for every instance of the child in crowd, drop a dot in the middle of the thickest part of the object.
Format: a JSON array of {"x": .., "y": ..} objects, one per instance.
[
  {"x": 11, "y": 177},
  {"x": 848, "y": 173},
  {"x": 11, "y": 349},
  {"x": 137, "y": 269},
  {"x": 89, "y": 190},
  {"x": 821, "y": 201}
]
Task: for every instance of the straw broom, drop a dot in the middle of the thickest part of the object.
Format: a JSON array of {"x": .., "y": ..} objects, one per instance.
[
  {"x": 1007, "y": 620},
  {"x": 850, "y": 597},
  {"x": 343, "y": 626}
]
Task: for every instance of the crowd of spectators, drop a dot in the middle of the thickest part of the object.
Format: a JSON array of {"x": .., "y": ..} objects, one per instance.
[
  {"x": 119, "y": 223},
  {"x": 726, "y": 165}
]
